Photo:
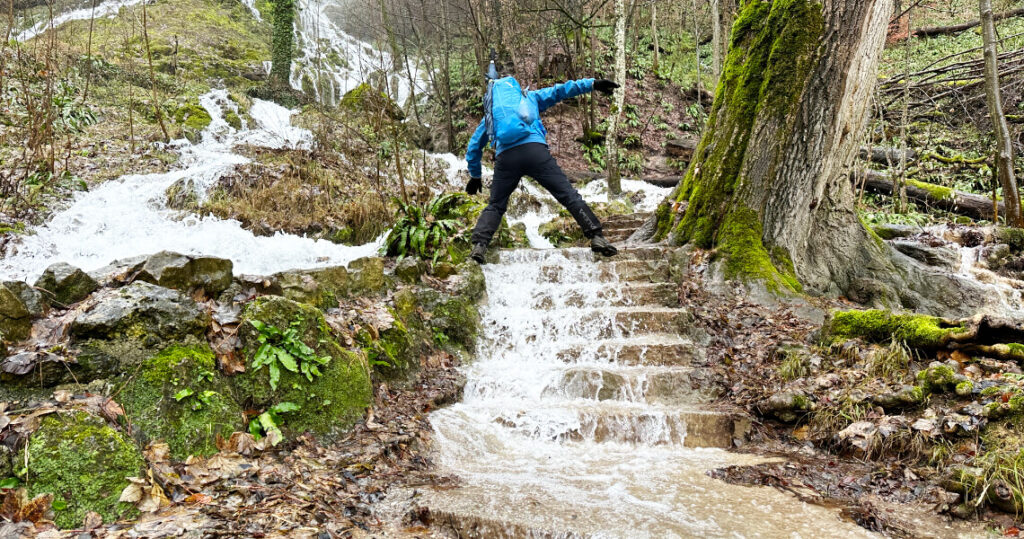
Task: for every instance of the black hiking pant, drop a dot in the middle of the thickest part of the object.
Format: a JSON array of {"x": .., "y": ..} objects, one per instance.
[{"x": 534, "y": 160}]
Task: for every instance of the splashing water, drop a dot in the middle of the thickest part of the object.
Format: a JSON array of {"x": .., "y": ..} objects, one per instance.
[
  {"x": 570, "y": 427},
  {"x": 108, "y": 8},
  {"x": 330, "y": 62},
  {"x": 128, "y": 216}
]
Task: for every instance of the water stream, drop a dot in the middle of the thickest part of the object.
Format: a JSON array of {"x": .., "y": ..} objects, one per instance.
[
  {"x": 128, "y": 216},
  {"x": 577, "y": 419}
]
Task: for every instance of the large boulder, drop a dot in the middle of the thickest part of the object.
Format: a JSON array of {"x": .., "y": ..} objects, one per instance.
[
  {"x": 15, "y": 319},
  {"x": 119, "y": 272},
  {"x": 84, "y": 463},
  {"x": 178, "y": 396},
  {"x": 182, "y": 272},
  {"x": 141, "y": 310},
  {"x": 66, "y": 284},
  {"x": 328, "y": 404},
  {"x": 33, "y": 299},
  {"x": 322, "y": 288},
  {"x": 366, "y": 275}
]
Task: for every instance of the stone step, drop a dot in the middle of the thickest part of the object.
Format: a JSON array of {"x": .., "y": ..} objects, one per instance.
[
  {"x": 651, "y": 271},
  {"x": 652, "y": 350},
  {"x": 639, "y": 424},
  {"x": 597, "y": 295},
  {"x": 578, "y": 254},
  {"x": 555, "y": 327},
  {"x": 676, "y": 386}
]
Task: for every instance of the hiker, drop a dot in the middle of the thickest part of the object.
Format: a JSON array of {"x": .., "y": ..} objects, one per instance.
[{"x": 512, "y": 124}]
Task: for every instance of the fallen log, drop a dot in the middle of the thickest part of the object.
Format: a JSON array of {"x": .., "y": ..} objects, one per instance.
[
  {"x": 935, "y": 196},
  {"x": 886, "y": 156},
  {"x": 930, "y": 31}
]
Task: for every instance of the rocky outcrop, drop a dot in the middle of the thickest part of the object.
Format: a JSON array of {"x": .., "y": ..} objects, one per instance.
[
  {"x": 329, "y": 398},
  {"x": 178, "y": 396},
  {"x": 141, "y": 310},
  {"x": 15, "y": 319},
  {"x": 187, "y": 273},
  {"x": 33, "y": 299},
  {"x": 66, "y": 284}
]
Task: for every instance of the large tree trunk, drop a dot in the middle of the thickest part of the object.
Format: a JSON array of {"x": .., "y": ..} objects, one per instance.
[{"x": 769, "y": 187}]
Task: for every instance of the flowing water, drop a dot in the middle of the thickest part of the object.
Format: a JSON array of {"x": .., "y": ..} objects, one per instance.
[
  {"x": 127, "y": 217},
  {"x": 579, "y": 417}
]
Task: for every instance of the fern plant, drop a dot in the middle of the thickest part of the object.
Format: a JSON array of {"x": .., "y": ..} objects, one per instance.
[
  {"x": 429, "y": 231},
  {"x": 285, "y": 349},
  {"x": 269, "y": 423}
]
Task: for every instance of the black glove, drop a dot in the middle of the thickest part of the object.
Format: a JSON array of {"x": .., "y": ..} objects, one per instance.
[
  {"x": 474, "y": 185},
  {"x": 605, "y": 86}
]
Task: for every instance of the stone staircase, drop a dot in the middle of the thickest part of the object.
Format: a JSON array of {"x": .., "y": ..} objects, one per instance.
[
  {"x": 582, "y": 358},
  {"x": 618, "y": 228}
]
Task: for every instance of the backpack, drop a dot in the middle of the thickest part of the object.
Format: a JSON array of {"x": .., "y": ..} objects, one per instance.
[{"x": 508, "y": 112}]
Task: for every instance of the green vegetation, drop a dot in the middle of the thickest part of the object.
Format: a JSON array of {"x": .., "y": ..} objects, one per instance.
[
  {"x": 285, "y": 349},
  {"x": 434, "y": 231},
  {"x": 179, "y": 396},
  {"x": 83, "y": 462},
  {"x": 916, "y": 331},
  {"x": 283, "y": 17},
  {"x": 268, "y": 423},
  {"x": 327, "y": 404}
]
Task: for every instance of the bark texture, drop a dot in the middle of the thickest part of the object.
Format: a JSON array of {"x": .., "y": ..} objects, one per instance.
[
  {"x": 612, "y": 142},
  {"x": 769, "y": 186},
  {"x": 722, "y": 14},
  {"x": 1004, "y": 145}
]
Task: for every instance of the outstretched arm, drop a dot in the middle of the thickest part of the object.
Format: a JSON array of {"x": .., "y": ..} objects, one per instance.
[
  {"x": 475, "y": 151},
  {"x": 549, "y": 97}
]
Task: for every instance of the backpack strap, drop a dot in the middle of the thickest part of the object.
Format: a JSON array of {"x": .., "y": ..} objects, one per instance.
[{"x": 489, "y": 110}]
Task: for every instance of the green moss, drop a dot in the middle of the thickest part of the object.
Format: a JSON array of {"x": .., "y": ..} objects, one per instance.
[
  {"x": 663, "y": 216},
  {"x": 772, "y": 53},
  {"x": 190, "y": 425},
  {"x": 329, "y": 404},
  {"x": 746, "y": 257},
  {"x": 937, "y": 192},
  {"x": 393, "y": 355},
  {"x": 937, "y": 378},
  {"x": 82, "y": 461},
  {"x": 193, "y": 116},
  {"x": 232, "y": 118},
  {"x": 965, "y": 388},
  {"x": 283, "y": 43},
  {"x": 915, "y": 330},
  {"x": 1014, "y": 237}
]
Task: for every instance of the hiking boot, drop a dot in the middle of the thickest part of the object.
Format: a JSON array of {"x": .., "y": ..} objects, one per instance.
[
  {"x": 602, "y": 246},
  {"x": 478, "y": 253}
]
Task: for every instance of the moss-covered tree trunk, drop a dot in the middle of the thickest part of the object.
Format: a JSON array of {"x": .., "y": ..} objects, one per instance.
[
  {"x": 283, "y": 42},
  {"x": 769, "y": 185}
]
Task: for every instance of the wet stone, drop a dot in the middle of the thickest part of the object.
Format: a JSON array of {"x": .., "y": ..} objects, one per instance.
[
  {"x": 15, "y": 319},
  {"x": 182, "y": 272},
  {"x": 141, "y": 310},
  {"x": 33, "y": 299},
  {"x": 66, "y": 284},
  {"x": 409, "y": 269},
  {"x": 932, "y": 256}
]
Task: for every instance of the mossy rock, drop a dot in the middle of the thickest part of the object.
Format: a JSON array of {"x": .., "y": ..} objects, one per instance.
[
  {"x": 1014, "y": 237},
  {"x": 193, "y": 116},
  {"x": 938, "y": 378},
  {"x": 330, "y": 403},
  {"x": 880, "y": 326},
  {"x": 6, "y": 462},
  {"x": 83, "y": 462},
  {"x": 323, "y": 288},
  {"x": 178, "y": 396},
  {"x": 394, "y": 355},
  {"x": 15, "y": 318},
  {"x": 563, "y": 232},
  {"x": 453, "y": 315},
  {"x": 66, "y": 284},
  {"x": 367, "y": 99},
  {"x": 367, "y": 276}
]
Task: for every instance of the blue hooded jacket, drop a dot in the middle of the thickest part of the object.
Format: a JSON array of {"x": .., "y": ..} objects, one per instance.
[{"x": 545, "y": 99}]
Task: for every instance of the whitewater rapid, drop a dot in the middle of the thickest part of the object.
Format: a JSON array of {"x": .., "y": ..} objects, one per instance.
[{"x": 128, "y": 216}]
